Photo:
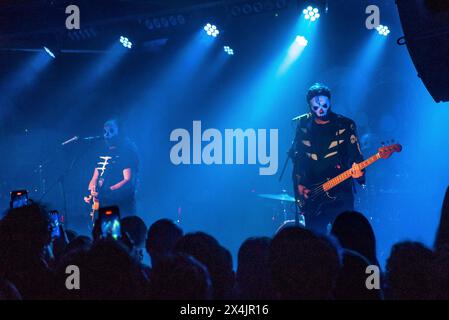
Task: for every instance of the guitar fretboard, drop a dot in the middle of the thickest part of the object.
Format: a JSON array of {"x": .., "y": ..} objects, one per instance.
[{"x": 347, "y": 174}]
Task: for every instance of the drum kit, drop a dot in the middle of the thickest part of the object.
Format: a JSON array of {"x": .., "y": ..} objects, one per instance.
[{"x": 285, "y": 213}]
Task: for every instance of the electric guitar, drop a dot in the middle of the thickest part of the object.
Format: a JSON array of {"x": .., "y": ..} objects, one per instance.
[
  {"x": 94, "y": 200},
  {"x": 320, "y": 195}
]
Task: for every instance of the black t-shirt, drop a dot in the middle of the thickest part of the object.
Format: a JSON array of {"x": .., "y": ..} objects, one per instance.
[
  {"x": 110, "y": 163},
  {"x": 323, "y": 151},
  {"x": 324, "y": 167}
]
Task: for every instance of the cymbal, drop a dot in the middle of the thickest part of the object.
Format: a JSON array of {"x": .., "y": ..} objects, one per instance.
[{"x": 279, "y": 197}]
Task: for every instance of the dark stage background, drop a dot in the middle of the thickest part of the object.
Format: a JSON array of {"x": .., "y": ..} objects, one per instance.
[{"x": 186, "y": 76}]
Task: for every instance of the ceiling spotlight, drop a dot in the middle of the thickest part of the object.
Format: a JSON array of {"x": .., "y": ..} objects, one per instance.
[
  {"x": 229, "y": 50},
  {"x": 383, "y": 30},
  {"x": 211, "y": 30},
  {"x": 311, "y": 13},
  {"x": 125, "y": 42},
  {"x": 50, "y": 53},
  {"x": 302, "y": 41}
]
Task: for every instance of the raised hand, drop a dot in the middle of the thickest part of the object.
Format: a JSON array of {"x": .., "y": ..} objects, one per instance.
[
  {"x": 356, "y": 172},
  {"x": 88, "y": 199},
  {"x": 303, "y": 191}
]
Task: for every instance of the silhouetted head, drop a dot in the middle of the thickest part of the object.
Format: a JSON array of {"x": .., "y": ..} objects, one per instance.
[
  {"x": 442, "y": 237},
  {"x": 161, "y": 238},
  {"x": 216, "y": 258},
  {"x": 83, "y": 243},
  {"x": 136, "y": 229},
  {"x": 73, "y": 256},
  {"x": 8, "y": 291},
  {"x": 24, "y": 232},
  {"x": 304, "y": 265},
  {"x": 352, "y": 278},
  {"x": 110, "y": 272},
  {"x": 71, "y": 234},
  {"x": 409, "y": 272},
  {"x": 253, "y": 278},
  {"x": 180, "y": 277},
  {"x": 354, "y": 232}
]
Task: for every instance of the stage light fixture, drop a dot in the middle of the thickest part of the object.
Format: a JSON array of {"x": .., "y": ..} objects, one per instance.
[
  {"x": 125, "y": 42},
  {"x": 173, "y": 21},
  {"x": 181, "y": 19},
  {"x": 281, "y": 4},
  {"x": 258, "y": 7},
  {"x": 50, "y": 53},
  {"x": 211, "y": 30},
  {"x": 302, "y": 41},
  {"x": 311, "y": 13},
  {"x": 236, "y": 11},
  {"x": 247, "y": 9},
  {"x": 229, "y": 50},
  {"x": 82, "y": 34},
  {"x": 157, "y": 23},
  {"x": 165, "y": 23},
  {"x": 383, "y": 30}
]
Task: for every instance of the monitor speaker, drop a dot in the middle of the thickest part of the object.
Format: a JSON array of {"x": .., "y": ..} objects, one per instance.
[{"x": 425, "y": 24}]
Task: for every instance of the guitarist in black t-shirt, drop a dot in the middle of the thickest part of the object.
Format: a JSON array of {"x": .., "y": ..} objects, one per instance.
[
  {"x": 326, "y": 145},
  {"x": 115, "y": 175}
]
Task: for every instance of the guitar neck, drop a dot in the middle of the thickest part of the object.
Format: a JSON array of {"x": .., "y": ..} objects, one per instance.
[{"x": 347, "y": 174}]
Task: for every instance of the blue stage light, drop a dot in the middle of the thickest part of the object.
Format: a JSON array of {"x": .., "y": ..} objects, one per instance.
[
  {"x": 49, "y": 52},
  {"x": 211, "y": 30},
  {"x": 301, "y": 41},
  {"x": 311, "y": 13},
  {"x": 126, "y": 43},
  {"x": 383, "y": 30},
  {"x": 229, "y": 50}
]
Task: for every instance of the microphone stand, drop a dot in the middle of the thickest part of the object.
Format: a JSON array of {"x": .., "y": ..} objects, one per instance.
[
  {"x": 61, "y": 181},
  {"x": 290, "y": 155}
]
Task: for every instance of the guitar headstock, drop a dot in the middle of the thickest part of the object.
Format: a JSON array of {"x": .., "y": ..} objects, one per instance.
[{"x": 386, "y": 151}]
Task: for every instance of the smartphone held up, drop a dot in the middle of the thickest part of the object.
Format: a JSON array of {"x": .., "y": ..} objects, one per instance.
[{"x": 109, "y": 220}]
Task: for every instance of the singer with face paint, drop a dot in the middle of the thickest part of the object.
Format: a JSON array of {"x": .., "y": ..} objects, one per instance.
[
  {"x": 114, "y": 178},
  {"x": 325, "y": 145}
]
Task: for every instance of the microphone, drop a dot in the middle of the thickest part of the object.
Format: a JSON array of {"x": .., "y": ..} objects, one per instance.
[
  {"x": 92, "y": 138},
  {"x": 70, "y": 140},
  {"x": 76, "y": 138},
  {"x": 299, "y": 117}
]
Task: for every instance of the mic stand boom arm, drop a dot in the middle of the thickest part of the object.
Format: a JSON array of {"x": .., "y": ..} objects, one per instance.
[{"x": 291, "y": 155}]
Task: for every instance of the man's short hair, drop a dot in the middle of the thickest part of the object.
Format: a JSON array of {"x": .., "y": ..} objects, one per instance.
[{"x": 318, "y": 89}]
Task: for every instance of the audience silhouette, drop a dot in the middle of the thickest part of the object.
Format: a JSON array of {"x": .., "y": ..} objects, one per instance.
[{"x": 296, "y": 263}]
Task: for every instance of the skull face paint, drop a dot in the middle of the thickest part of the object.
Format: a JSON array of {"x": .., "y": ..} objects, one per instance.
[
  {"x": 320, "y": 106},
  {"x": 111, "y": 132}
]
